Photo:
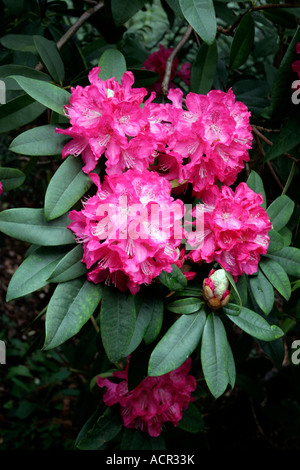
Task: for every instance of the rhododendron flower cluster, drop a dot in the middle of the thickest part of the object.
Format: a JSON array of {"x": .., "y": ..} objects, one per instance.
[
  {"x": 296, "y": 64},
  {"x": 130, "y": 229},
  {"x": 235, "y": 229},
  {"x": 155, "y": 401},
  {"x": 157, "y": 63}
]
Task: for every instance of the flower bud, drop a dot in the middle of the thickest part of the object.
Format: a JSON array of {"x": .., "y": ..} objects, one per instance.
[{"x": 216, "y": 289}]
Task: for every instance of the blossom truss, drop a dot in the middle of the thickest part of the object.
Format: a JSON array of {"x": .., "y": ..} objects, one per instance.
[
  {"x": 235, "y": 229},
  {"x": 154, "y": 402},
  {"x": 130, "y": 230}
]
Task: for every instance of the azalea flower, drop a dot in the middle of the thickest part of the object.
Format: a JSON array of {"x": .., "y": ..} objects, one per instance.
[
  {"x": 154, "y": 402},
  {"x": 235, "y": 229}
]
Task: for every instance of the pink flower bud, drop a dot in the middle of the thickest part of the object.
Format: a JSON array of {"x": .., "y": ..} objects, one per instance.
[{"x": 216, "y": 289}]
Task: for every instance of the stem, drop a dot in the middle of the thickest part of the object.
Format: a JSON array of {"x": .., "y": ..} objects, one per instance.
[
  {"x": 95, "y": 324},
  {"x": 269, "y": 142},
  {"x": 169, "y": 63},
  {"x": 272, "y": 171}
]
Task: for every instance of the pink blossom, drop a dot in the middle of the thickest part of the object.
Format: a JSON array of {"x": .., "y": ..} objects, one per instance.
[
  {"x": 296, "y": 64},
  {"x": 1, "y": 188},
  {"x": 155, "y": 401},
  {"x": 130, "y": 230},
  {"x": 235, "y": 229},
  {"x": 157, "y": 63}
]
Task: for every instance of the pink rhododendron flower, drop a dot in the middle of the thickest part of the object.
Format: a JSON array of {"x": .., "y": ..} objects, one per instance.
[
  {"x": 130, "y": 229},
  {"x": 296, "y": 64},
  {"x": 216, "y": 290},
  {"x": 157, "y": 63},
  {"x": 1, "y": 188},
  {"x": 155, "y": 401},
  {"x": 235, "y": 229}
]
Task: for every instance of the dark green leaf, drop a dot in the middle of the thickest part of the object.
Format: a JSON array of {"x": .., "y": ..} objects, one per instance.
[
  {"x": 255, "y": 325},
  {"x": 49, "y": 95},
  {"x": 33, "y": 273},
  {"x": 113, "y": 65},
  {"x": 177, "y": 344},
  {"x": 42, "y": 140},
  {"x": 192, "y": 420},
  {"x": 50, "y": 57},
  {"x": 19, "y": 112},
  {"x": 29, "y": 225},
  {"x": 18, "y": 42},
  {"x": 69, "y": 267},
  {"x": 255, "y": 182},
  {"x": 174, "y": 280},
  {"x": 66, "y": 187},
  {"x": 288, "y": 138},
  {"x": 214, "y": 355},
  {"x": 98, "y": 430},
  {"x": 185, "y": 306},
  {"x": 70, "y": 307},
  {"x": 117, "y": 322},
  {"x": 262, "y": 292},
  {"x": 231, "y": 367},
  {"x": 280, "y": 211},
  {"x": 276, "y": 241},
  {"x": 200, "y": 14},
  {"x": 232, "y": 309},
  {"x": 123, "y": 10},
  {"x": 155, "y": 324},
  {"x": 15, "y": 69},
  {"x": 11, "y": 178},
  {"x": 204, "y": 69},
  {"x": 134, "y": 439},
  {"x": 242, "y": 42},
  {"x": 277, "y": 276},
  {"x": 289, "y": 259}
]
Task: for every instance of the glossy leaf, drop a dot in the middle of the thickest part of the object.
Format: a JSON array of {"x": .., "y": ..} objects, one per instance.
[
  {"x": 66, "y": 187},
  {"x": 19, "y": 112},
  {"x": 277, "y": 277},
  {"x": 200, "y": 14},
  {"x": 113, "y": 65},
  {"x": 134, "y": 439},
  {"x": 18, "y": 42},
  {"x": 25, "y": 71},
  {"x": 33, "y": 273},
  {"x": 29, "y": 225},
  {"x": 242, "y": 43},
  {"x": 288, "y": 258},
  {"x": 50, "y": 57},
  {"x": 69, "y": 267},
  {"x": 185, "y": 306},
  {"x": 280, "y": 211},
  {"x": 123, "y": 10},
  {"x": 117, "y": 322},
  {"x": 11, "y": 178},
  {"x": 214, "y": 355},
  {"x": 262, "y": 292},
  {"x": 174, "y": 280},
  {"x": 231, "y": 367},
  {"x": 287, "y": 139},
  {"x": 255, "y": 325},
  {"x": 51, "y": 96},
  {"x": 177, "y": 344},
  {"x": 255, "y": 182},
  {"x": 155, "y": 324},
  {"x": 99, "y": 430},
  {"x": 191, "y": 420},
  {"x": 42, "y": 140},
  {"x": 276, "y": 241},
  {"x": 204, "y": 69},
  {"x": 70, "y": 307}
]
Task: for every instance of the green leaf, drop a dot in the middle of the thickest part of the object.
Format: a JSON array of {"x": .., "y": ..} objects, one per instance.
[
  {"x": 15, "y": 69},
  {"x": 204, "y": 69},
  {"x": 117, "y": 322},
  {"x": 255, "y": 182},
  {"x": 255, "y": 325},
  {"x": 49, "y": 95},
  {"x": 29, "y": 225},
  {"x": 123, "y": 10},
  {"x": 242, "y": 288},
  {"x": 18, "y": 42},
  {"x": 174, "y": 280},
  {"x": 99, "y": 430},
  {"x": 155, "y": 324},
  {"x": 174, "y": 5},
  {"x": 287, "y": 236},
  {"x": 277, "y": 276},
  {"x": 262, "y": 292},
  {"x": 276, "y": 241},
  {"x": 134, "y": 439},
  {"x": 275, "y": 350},
  {"x": 200, "y": 14},
  {"x": 42, "y": 140},
  {"x": 185, "y": 306},
  {"x": 191, "y": 420},
  {"x": 280, "y": 211},
  {"x": 50, "y": 57},
  {"x": 19, "y": 112},
  {"x": 233, "y": 287},
  {"x": 177, "y": 344},
  {"x": 231, "y": 367},
  {"x": 66, "y": 187},
  {"x": 11, "y": 178},
  {"x": 214, "y": 355},
  {"x": 69, "y": 267},
  {"x": 242, "y": 42},
  {"x": 33, "y": 273},
  {"x": 70, "y": 307},
  {"x": 232, "y": 309},
  {"x": 281, "y": 102},
  {"x": 288, "y": 258},
  {"x": 288, "y": 138},
  {"x": 113, "y": 65},
  {"x": 144, "y": 316}
]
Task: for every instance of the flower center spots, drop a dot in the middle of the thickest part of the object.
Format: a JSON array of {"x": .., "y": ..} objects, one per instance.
[{"x": 109, "y": 93}]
